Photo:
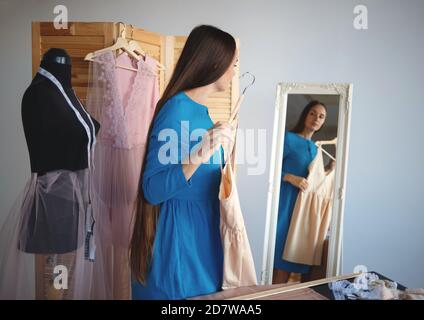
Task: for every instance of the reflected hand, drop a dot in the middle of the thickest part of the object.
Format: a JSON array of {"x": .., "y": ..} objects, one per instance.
[
  {"x": 330, "y": 166},
  {"x": 299, "y": 182}
]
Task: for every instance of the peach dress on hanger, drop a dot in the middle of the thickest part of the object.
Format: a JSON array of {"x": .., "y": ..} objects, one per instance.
[{"x": 311, "y": 216}]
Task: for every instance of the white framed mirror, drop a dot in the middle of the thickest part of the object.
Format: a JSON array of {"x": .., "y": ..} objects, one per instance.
[{"x": 324, "y": 253}]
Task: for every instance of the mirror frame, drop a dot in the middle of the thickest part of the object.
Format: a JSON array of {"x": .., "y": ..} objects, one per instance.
[{"x": 344, "y": 91}]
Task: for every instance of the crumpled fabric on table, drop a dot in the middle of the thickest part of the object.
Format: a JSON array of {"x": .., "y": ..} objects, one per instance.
[
  {"x": 366, "y": 287},
  {"x": 412, "y": 294}
]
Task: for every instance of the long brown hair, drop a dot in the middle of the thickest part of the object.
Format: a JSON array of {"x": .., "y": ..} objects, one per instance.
[
  {"x": 300, "y": 125},
  {"x": 206, "y": 56}
]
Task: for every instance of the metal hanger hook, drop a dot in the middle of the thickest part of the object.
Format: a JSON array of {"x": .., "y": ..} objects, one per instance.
[
  {"x": 250, "y": 84},
  {"x": 132, "y": 31}
]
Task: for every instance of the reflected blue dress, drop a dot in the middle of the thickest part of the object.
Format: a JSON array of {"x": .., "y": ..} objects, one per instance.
[
  {"x": 298, "y": 154},
  {"x": 187, "y": 252}
]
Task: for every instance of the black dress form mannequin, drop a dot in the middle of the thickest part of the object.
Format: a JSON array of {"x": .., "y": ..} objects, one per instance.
[{"x": 56, "y": 140}]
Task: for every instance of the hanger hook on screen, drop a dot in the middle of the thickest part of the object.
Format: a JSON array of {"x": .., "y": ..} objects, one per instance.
[
  {"x": 123, "y": 30},
  {"x": 132, "y": 31},
  {"x": 250, "y": 84}
]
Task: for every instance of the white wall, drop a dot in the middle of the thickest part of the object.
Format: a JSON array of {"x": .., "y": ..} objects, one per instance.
[{"x": 308, "y": 41}]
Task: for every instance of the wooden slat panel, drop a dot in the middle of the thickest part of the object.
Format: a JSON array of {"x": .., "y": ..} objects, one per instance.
[
  {"x": 221, "y": 99},
  {"x": 74, "y": 29},
  {"x": 216, "y": 119},
  {"x": 99, "y": 40},
  {"x": 48, "y": 29},
  {"x": 162, "y": 59},
  {"x": 109, "y": 34},
  {"x": 177, "y": 53},
  {"x": 223, "y": 117},
  {"x": 73, "y": 52},
  {"x": 89, "y": 29},
  {"x": 180, "y": 41},
  {"x": 219, "y": 113},
  {"x": 77, "y": 55},
  {"x": 146, "y": 37},
  {"x": 222, "y": 112},
  {"x": 36, "y": 47},
  {"x": 235, "y": 83},
  {"x": 83, "y": 46},
  {"x": 222, "y": 106},
  {"x": 80, "y": 69},
  {"x": 169, "y": 57},
  {"x": 222, "y": 94},
  {"x": 81, "y": 91},
  {"x": 219, "y": 106},
  {"x": 79, "y": 62},
  {"x": 80, "y": 78},
  {"x": 76, "y": 83}
]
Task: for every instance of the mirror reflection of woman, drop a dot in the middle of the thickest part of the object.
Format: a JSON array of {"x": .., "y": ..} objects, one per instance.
[{"x": 299, "y": 151}]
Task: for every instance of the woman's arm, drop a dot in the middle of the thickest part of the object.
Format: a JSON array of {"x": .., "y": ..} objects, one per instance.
[
  {"x": 298, "y": 182},
  {"x": 165, "y": 172}
]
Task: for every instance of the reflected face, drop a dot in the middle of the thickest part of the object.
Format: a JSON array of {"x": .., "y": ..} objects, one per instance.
[
  {"x": 315, "y": 118},
  {"x": 223, "y": 83}
]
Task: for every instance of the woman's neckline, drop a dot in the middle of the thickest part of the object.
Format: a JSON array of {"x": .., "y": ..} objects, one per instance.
[
  {"x": 190, "y": 99},
  {"x": 300, "y": 136}
]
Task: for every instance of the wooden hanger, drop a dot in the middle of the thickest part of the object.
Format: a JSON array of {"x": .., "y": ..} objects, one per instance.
[
  {"x": 320, "y": 143},
  {"x": 327, "y": 153},
  {"x": 334, "y": 141},
  {"x": 135, "y": 47},
  {"x": 120, "y": 44}
]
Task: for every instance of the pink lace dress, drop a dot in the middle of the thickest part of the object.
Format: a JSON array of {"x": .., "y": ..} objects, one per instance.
[{"x": 124, "y": 102}]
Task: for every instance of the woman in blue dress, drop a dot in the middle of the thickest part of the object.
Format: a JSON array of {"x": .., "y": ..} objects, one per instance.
[
  {"x": 299, "y": 151},
  {"x": 176, "y": 249}
]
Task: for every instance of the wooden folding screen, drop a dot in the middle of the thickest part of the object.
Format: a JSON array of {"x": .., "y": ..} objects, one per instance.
[{"x": 83, "y": 37}]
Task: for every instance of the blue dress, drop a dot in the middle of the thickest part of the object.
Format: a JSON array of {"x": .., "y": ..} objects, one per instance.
[
  {"x": 298, "y": 154},
  {"x": 187, "y": 252}
]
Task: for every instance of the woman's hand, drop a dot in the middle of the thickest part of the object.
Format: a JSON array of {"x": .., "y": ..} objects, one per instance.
[
  {"x": 330, "y": 166},
  {"x": 299, "y": 182},
  {"x": 222, "y": 133}
]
